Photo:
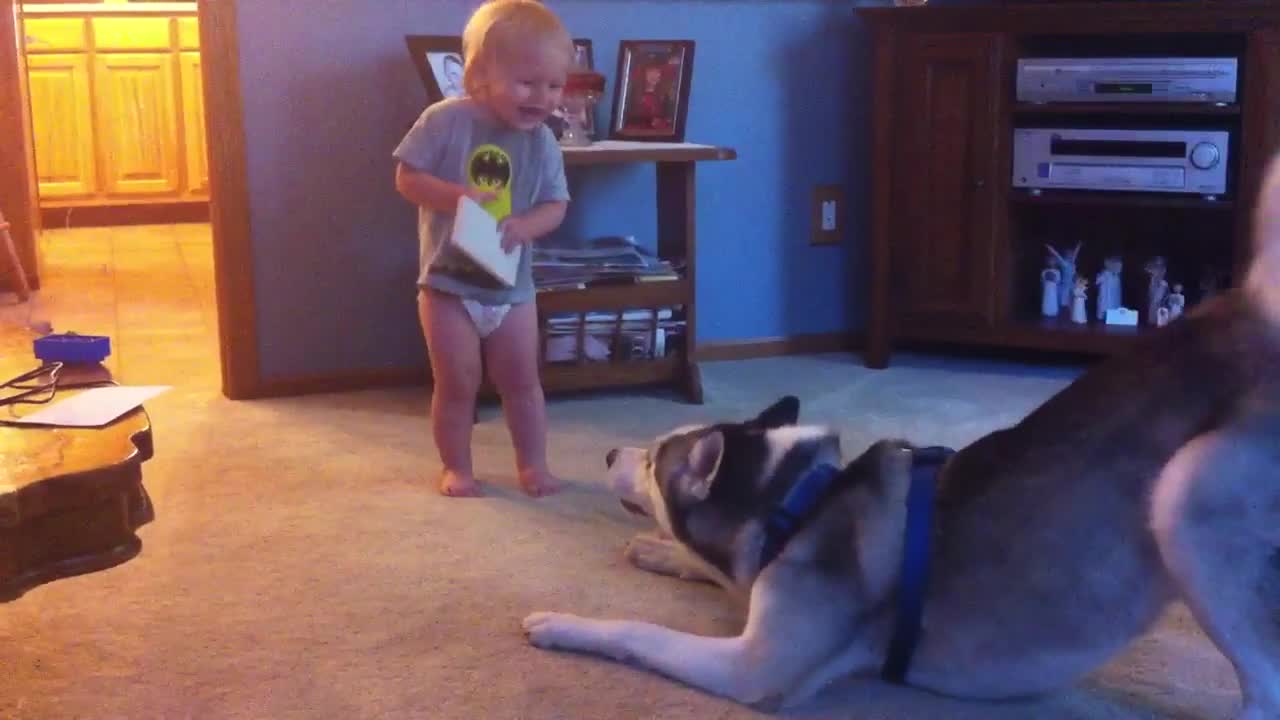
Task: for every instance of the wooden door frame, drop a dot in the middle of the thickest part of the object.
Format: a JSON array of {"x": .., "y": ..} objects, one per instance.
[
  {"x": 233, "y": 267},
  {"x": 17, "y": 189}
]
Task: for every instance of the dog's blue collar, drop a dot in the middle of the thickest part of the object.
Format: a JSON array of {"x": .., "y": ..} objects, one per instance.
[
  {"x": 796, "y": 506},
  {"x": 925, "y": 464}
]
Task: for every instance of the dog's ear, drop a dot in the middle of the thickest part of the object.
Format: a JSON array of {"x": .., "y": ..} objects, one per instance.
[
  {"x": 701, "y": 465},
  {"x": 786, "y": 411}
]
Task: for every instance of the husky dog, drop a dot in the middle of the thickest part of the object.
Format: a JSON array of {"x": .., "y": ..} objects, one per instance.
[{"x": 1050, "y": 544}]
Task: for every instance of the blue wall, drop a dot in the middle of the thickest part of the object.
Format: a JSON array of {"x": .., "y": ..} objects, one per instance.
[
  {"x": 781, "y": 81},
  {"x": 778, "y": 81}
]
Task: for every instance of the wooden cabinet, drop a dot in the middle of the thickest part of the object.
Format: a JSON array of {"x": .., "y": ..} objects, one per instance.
[
  {"x": 196, "y": 159},
  {"x": 943, "y": 260},
  {"x": 131, "y": 33},
  {"x": 62, "y": 124},
  {"x": 136, "y": 117},
  {"x": 957, "y": 249},
  {"x": 117, "y": 109}
]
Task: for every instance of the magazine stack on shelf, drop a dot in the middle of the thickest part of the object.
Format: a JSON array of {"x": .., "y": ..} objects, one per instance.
[
  {"x": 609, "y": 259},
  {"x": 641, "y": 333},
  {"x": 630, "y": 335}
]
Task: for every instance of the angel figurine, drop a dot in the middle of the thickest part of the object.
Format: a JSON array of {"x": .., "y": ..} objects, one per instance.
[
  {"x": 1067, "y": 269},
  {"x": 1176, "y": 302},
  {"x": 1108, "y": 284},
  {"x": 1078, "y": 293},
  {"x": 1049, "y": 279},
  {"x": 1157, "y": 289}
]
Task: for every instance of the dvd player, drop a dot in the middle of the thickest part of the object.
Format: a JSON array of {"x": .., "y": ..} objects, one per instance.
[
  {"x": 1166, "y": 79},
  {"x": 1169, "y": 161}
]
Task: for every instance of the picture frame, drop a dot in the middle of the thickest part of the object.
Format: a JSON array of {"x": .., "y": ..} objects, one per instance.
[
  {"x": 438, "y": 59},
  {"x": 583, "y": 45},
  {"x": 439, "y": 62},
  {"x": 584, "y": 51},
  {"x": 651, "y": 90}
]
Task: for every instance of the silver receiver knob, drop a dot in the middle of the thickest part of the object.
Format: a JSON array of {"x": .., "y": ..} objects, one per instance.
[{"x": 1205, "y": 155}]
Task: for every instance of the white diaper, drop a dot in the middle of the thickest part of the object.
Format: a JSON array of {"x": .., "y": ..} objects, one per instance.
[{"x": 487, "y": 318}]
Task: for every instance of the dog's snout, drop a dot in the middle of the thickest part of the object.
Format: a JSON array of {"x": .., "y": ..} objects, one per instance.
[{"x": 610, "y": 457}]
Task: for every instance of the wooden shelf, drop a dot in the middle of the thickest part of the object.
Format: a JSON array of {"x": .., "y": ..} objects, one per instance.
[
  {"x": 1086, "y": 198},
  {"x": 1079, "y": 17},
  {"x": 1116, "y": 108},
  {"x": 1062, "y": 323},
  {"x": 605, "y": 152},
  {"x": 615, "y": 296},
  {"x": 1053, "y": 334},
  {"x": 676, "y": 239},
  {"x": 562, "y": 376},
  {"x": 1061, "y": 334}
]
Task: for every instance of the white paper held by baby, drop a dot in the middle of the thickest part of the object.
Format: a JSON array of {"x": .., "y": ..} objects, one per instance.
[{"x": 476, "y": 234}]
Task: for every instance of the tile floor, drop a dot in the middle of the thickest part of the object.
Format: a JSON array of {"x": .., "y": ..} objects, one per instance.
[{"x": 147, "y": 287}]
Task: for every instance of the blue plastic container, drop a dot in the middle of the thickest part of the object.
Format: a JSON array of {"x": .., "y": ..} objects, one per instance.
[{"x": 72, "y": 348}]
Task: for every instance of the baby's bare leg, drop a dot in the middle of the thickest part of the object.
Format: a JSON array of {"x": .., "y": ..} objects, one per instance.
[
  {"x": 511, "y": 356},
  {"x": 453, "y": 348}
]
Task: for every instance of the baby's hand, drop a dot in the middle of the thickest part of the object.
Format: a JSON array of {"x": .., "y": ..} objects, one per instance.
[{"x": 514, "y": 233}]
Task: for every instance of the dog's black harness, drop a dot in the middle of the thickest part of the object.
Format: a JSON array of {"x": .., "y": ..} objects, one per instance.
[{"x": 798, "y": 506}]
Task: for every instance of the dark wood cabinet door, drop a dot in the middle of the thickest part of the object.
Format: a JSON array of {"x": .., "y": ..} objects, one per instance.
[{"x": 943, "y": 246}]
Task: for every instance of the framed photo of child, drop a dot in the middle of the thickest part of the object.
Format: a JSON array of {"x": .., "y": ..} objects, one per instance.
[
  {"x": 584, "y": 58},
  {"x": 438, "y": 59},
  {"x": 651, "y": 90}
]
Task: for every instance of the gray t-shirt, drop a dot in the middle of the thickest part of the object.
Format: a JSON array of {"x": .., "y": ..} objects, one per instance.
[{"x": 460, "y": 140}]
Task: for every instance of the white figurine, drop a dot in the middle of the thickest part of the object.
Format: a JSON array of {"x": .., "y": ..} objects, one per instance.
[
  {"x": 1049, "y": 279},
  {"x": 1067, "y": 268},
  {"x": 1162, "y": 316},
  {"x": 1158, "y": 289},
  {"x": 1176, "y": 302},
  {"x": 1078, "y": 293},
  {"x": 1108, "y": 282}
]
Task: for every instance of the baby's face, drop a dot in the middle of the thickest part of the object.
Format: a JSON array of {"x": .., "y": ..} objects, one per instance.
[
  {"x": 524, "y": 85},
  {"x": 453, "y": 71}
]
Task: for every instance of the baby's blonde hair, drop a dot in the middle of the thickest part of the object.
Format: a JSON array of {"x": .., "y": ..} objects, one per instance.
[{"x": 497, "y": 26}]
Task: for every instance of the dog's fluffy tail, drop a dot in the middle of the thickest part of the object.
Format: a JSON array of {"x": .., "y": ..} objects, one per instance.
[{"x": 1263, "y": 280}]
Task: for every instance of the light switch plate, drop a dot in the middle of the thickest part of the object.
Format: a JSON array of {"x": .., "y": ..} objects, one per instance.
[{"x": 827, "y": 216}]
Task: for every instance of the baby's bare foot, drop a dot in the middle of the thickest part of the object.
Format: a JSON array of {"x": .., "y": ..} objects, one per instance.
[
  {"x": 454, "y": 484},
  {"x": 539, "y": 483}
]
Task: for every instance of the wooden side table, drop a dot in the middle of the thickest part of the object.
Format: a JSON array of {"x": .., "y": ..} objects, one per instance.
[
  {"x": 71, "y": 499},
  {"x": 676, "y": 241}
]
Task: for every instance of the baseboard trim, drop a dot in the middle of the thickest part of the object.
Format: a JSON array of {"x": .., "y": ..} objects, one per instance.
[
  {"x": 775, "y": 346},
  {"x": 419, "y": 376},
  {"x": 339, "y": 382},
  {"x": 55, "y": 218}
]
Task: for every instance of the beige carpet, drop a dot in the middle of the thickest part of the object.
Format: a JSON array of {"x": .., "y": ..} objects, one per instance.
[{"x": 301, "y": 567}]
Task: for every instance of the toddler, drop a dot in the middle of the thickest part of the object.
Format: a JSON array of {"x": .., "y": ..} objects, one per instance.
[{"x": 491, "y": 145}]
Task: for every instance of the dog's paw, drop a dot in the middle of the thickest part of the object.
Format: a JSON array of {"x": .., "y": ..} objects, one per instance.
[
  {"x": 549, "y": 630},
  {"x": 562, "y": 631},
  {"x": 654, "y": 554}
]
